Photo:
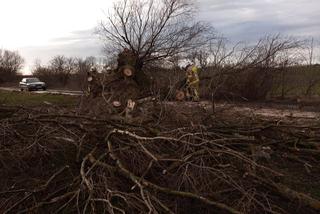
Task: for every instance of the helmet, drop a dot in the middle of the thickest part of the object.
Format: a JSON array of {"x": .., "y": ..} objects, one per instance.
[{"x": 194, "y": 69}]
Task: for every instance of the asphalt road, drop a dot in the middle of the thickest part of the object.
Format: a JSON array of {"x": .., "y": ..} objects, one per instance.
[{"x": 49, "y": 91}]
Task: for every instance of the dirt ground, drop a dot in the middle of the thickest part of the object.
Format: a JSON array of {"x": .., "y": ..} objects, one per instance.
[{"x": 268, "y": 110}]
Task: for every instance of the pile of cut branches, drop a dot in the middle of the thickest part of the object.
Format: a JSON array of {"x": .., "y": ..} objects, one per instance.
[{"x": 56, "y": 161}]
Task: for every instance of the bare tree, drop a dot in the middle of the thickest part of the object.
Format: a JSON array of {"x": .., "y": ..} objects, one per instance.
[
  {"x": 288, "y": 62},
  {"x": 10, "y": 64},
  {"x": 62, "y": 67},
  {"x": 247, "y": 71},
  {"x": 269, "y": 56},
  {"x": 200, "y": 57},
  {"x": 311, "y": 51},
  {"x": 153, "y": 29},
  {"x": 62, "y": 71},
  {"x": 219, "y": 57},
  {"x": 40, "y": 70},
  {"x": 83, "y": 66}
]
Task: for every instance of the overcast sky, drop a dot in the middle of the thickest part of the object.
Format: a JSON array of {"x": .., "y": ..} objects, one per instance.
[{"x": 41, "y": 29}]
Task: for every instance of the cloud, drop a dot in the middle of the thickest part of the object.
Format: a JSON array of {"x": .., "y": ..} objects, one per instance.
[
  {"x": 251, "y": 19},
  {"x": 241, "y": 20},
  {"x": 80, "y": 35},
  {"x": 81, "y": 44}
]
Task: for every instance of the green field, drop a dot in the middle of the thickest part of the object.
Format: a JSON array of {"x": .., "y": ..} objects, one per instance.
[{"x": 15, "y": 98}]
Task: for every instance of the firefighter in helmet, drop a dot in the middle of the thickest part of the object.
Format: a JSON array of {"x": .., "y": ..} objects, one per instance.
[{"x": 193, "y": 82}]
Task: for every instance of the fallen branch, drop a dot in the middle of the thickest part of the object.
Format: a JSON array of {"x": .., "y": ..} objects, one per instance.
[{"x": 155, "y": 187}]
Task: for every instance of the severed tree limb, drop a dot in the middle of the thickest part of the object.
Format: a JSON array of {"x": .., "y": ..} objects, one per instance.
[
  {"x": 162, "y": 205},
  {"x": 165, "y": 190},
  {"x": 52, "y": 201},
  {"x": 42, "y": 188},
  {"x": 112, "y": 207},
  {"x": 17, "y": 203},
  {"x": 291, "y": 194},
  {"x": 225, "y": 150}
]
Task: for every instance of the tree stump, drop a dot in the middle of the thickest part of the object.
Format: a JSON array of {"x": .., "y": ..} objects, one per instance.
[{"x": 118, "y": 87}]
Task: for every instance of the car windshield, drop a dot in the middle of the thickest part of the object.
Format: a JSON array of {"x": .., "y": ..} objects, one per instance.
[{"x": 31, "y": 80}]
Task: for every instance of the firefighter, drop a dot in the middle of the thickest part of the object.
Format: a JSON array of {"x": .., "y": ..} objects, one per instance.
[{"x": 193, "y": 82}]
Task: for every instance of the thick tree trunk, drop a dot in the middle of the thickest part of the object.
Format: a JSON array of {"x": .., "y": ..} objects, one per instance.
[
  {"x": 127, "y": 59},
  {"x": 123, "y": 86}
]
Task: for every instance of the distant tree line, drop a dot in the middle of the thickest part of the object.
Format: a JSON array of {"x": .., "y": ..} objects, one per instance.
[
  {"x": 62, "y": 71},
  {"x": 10, "y": 64},
  {"x": 275, "y": 65}
]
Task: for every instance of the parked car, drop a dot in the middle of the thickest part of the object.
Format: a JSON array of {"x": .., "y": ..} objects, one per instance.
[{"x": 31, "y": 84}]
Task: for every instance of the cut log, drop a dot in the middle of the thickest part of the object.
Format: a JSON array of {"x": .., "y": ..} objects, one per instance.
[
  {"x": 127, "y": 82},
  {"x": 116, "y": 104},
  {"x": 180, "y": 95},
  {"x": 127, "y": 71}
]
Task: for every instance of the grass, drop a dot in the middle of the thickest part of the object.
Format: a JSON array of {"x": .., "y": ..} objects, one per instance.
[{"x": 15, "y": 98}]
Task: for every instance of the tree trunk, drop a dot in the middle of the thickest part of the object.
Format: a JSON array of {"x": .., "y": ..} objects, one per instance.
[
  {"x": 127, "y": 82},
  {"x": 128, "y": 59}
]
